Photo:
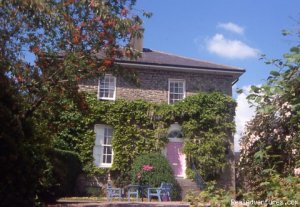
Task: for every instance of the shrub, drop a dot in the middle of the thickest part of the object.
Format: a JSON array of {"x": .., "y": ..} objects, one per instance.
[
  {"x": 94, "y": 192},
  {"x": 211, "y": 196},
  {"x": 64, "y": 168},
  {"x": 152, "y": 169},
  {"x": 277, "y": 189}
]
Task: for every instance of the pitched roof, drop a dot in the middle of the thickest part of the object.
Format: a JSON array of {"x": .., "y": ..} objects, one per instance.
[
  {"x": 161, "y": 60},
  {"x": 164, "y": 61}
]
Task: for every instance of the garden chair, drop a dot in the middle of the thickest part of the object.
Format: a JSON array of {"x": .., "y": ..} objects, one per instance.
[
  {"x": 162, "y": 193},
  {"x": 113, "y": 192},
  {"x": 133, "y": 190}
]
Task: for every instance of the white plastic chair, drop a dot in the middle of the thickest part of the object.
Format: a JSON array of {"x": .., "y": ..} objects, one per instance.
[
  {"x": 113, "y": 192},
  {"x": 163, "y": 190},
  {"x": 133, "y": 190}
]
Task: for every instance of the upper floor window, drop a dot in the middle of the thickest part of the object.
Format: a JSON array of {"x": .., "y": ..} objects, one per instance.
[
  {"x": 107, "y": 87},
  {"x": 103, "y": 152},
  {"x": 176, "y": 90}
]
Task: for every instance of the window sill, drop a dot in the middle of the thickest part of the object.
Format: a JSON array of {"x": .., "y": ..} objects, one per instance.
[
  {"x": 107, "y": 99},
  {"x": 105, "y": 165}
]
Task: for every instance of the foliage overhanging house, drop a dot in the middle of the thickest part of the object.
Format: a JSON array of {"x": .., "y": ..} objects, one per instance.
[{"x": 163, "y": 78}]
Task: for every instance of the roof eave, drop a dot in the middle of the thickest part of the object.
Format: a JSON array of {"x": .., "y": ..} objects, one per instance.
[{"x": 235, "y": 72}]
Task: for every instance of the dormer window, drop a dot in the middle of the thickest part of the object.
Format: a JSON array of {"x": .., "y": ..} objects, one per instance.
[
  {"x": 107, "y": 88},
  {"x": 176, "y": 90}
]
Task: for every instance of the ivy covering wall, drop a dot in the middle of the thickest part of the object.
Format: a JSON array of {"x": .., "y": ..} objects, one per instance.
[{"x": 140, "y": 127}]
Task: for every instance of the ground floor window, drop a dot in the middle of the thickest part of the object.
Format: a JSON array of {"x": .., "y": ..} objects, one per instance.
[{"x": 103, "y": 152}]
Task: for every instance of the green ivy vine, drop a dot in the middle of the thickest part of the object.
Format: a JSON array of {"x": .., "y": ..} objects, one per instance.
[{"x": 140, "y": 127}]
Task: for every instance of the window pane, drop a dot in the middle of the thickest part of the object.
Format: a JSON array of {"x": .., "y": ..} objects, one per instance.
[
  {"x": 111, "y": 83},
  {"x": 109, "y": 150},
  {"x": 104, "y": 155},
  {"x": 104, "y": 159},
  {"x": 176, "y": 90},
  {"x": 107, "y": 136},
  {"x": 110, "y": 93},
  {"x": 107, "y": 87},
  {"x": 103, "y": 93},
  {"x": 107, "y": 155},
  {"x": 109, "y": 159},
  {"x": 171, "y": 97}
]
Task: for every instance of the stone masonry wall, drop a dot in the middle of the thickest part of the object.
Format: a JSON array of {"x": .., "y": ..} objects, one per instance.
[
  {"x": 154, "y": 88},
  {"x": 154, "y": 84}
]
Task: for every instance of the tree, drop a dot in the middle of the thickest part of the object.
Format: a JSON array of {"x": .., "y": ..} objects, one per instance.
[
  {"x": 272, "y": 139},
  {"x": 17, "y": 182},
  {"x": 63, "y": 39}
]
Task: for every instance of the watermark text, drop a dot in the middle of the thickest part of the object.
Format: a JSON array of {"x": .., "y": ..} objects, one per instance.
[{"x": 265, "y": 202}]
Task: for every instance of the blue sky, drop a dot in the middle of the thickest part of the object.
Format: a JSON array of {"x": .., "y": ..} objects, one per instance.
[{"x": 231, "y": 32}]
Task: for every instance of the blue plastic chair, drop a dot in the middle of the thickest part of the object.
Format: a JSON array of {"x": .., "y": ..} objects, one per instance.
[
  {"x": 163, "y": 192},
  {"x": 113, "y": 192},
  {"x": 133, "y": 190}
]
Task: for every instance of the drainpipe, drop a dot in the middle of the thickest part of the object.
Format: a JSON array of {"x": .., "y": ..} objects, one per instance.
[{"x": 234, "y": 82}]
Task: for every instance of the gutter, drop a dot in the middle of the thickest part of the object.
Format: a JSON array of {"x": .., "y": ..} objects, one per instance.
[{"x": 180, "y": 68}]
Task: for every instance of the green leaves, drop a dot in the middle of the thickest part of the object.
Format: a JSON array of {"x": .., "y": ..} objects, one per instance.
[
  {"x": 239, "y": 91},
  {"x": 161, "y": 172},
  {"x": 212, "y": 195},
  {"x": 285, "y": 32},
  {"x": 47, "y": 48},
  {"x": 140, "y": 127},
  {"x": 295, "y": 49},
  {"x": 49, "y": 30},
  {"x": 255, "y": 89},
  {"x": 269, "y": 145},
  {"x": 275, "y": 73}
]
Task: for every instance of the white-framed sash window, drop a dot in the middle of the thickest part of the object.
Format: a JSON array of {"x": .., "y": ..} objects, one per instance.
[
  {"x": 176, "y": 91},
  {"x": 107, "y": 87},
  {"x": 103, "y": 152}
]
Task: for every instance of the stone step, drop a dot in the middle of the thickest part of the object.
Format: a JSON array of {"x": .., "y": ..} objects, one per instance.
[
  {"x": 187, "y": 185},
  {"x": 118, "y": 204}
]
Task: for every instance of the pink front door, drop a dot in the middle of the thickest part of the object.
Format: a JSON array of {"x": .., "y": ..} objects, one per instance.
[{"x": 176, "y": 158}]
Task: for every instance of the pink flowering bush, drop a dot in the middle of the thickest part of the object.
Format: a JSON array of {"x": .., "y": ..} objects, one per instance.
[
  {"x": 152, "y": 169},
  {"x": 270, "y": 156},
  {"x": 145, "y": 168},
  {"x": 297, "y": 171}
]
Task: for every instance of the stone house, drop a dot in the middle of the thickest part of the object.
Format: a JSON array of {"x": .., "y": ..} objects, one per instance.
[{"x": 163, "y": 78}]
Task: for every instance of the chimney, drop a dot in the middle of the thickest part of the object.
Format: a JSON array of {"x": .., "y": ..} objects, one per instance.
[{"x": 137, "y": 40}]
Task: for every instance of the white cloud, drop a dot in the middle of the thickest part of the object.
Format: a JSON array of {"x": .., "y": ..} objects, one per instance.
[
  {"x": 244, "y": 113},
  {"x": 233, "y": 49},
  {"x": 232, "y": 27}
]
